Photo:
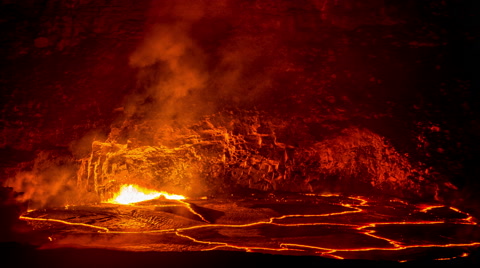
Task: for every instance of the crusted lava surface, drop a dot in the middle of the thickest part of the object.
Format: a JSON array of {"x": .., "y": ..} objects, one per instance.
[{"x": 331, "y": 226}]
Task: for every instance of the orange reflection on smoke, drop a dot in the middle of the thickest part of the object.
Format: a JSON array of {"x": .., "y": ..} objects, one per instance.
[{"x": 131, "y": 193}]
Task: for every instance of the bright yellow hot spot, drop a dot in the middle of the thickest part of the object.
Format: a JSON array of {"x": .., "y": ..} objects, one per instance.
[{"x": 131, "y": 193}]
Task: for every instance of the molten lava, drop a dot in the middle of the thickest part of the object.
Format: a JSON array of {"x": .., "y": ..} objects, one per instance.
[
  {"x": 333, "y": 226},
  {"x": 131, "y": 193}
]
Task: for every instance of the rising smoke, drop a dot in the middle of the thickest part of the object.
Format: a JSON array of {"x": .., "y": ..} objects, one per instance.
[
  {"x": 198, "y": 57},
  {"x": 49, "y": 182}
]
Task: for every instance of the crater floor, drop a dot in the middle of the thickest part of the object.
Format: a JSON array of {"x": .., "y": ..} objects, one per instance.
[{"x": 332, "y": 226}]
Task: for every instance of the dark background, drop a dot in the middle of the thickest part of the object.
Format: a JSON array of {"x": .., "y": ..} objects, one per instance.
[{"x": 407, "y": 70}]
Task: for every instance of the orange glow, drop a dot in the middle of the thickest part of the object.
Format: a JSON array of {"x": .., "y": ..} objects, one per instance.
[
  {"x": 64, "y": 222},
  {"x": 356, "y": 205},
  {"x": 425, "y": 208},
  {"x": 130, "y": 194},
  {"x": 189, "y": 207}
]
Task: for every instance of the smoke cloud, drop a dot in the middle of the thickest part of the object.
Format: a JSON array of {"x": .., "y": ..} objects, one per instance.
[
  {"x": 198, "y": 57},
  {"x": 50, "y": 182},
  {"x": 170, "y": 70}
]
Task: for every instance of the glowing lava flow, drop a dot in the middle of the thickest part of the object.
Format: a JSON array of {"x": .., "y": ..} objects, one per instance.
[
  {"x": 130, "y": 194},
  {"x": 104, "y": 229},
  {"x": 330, "y": 252},
  {"x": 189, "y": 207},
  {"x": 355, "y": 205},
  {"x": 426, "y": 208}
]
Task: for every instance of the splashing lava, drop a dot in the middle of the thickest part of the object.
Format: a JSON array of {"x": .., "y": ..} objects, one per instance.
[{"x": 130, "y": 194}]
